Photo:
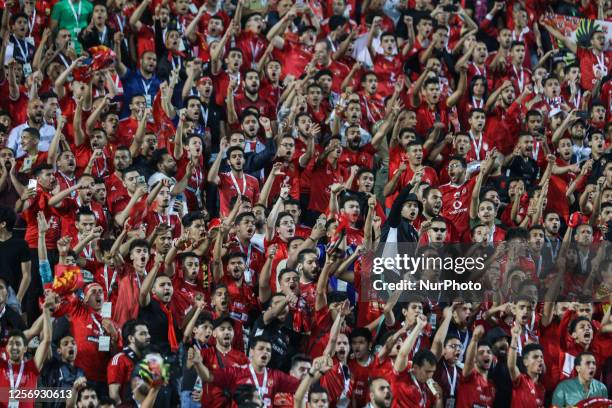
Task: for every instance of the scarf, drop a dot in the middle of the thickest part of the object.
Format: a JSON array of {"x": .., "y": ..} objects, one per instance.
[{"x": 171, "y": 333}]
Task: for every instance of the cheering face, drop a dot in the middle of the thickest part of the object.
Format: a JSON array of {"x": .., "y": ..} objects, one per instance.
[
  {"x": 598, "y": 41},
  {"x": 309, "y": 268},
  {"x": 194, "y": 147},
  {"x": 28, "y": 141},
  {"x": 480, "y": 234},
  {"x": 508, "y": 96},
  {"x": 380, "y": 393},
  {"x": 584, "y": 310},
  {"x": 246, "y": 227},
  {"x": 96, "y": 297},
  {"x": 99, "y": 14},
  {"x": 88, "y": 399},
  {"x": 552, "y": 89},
  {"x": 411, "y": 313},
  {"x": 452, "y": 350},
  {"x": 163, "y": 242},
  {"x": 286, "y": 227},
  {"x": 289, "y": 283},
  {"x": 85, "y": 223},
  {"x": 203, "y": 332},
  {"x": 352, "y": 210},
  {"x": 432, "y": 93},
  {"x": 236, "y": 160},
  {"x": 251, "y": 83},
  {"x": 220, "y": 299},
  {"x": 163, "y": 198},
  {"x": 16, "y": 348},
  {"x": 415, "y": 155},
  {"x": 365, "y": 182},
  {"x": 517, "y": 53},
  {"x": 410, "y": 210},
  {"x": 260, "y": 353},
  {"x": 583, "y": 334},
  {"x": 234, "y": 60},
  {"x": 370, "y": 84},
  {"x": 224, "y": 334},
  {"x": 484, "y": 357},
  {"x": 250, "y": 126},
  {"x": 255, "y": 24},
  {"x": 523, "y": 311},
  {"x": 163, "y": 288},
  {"x": 142, "y": 338},
  {"x": 139, "y": 257},
  {"x": 342, "y": 347},
  {"x": 587, "y": 367},
  {"x": 99, "y": 191},
  {"x": 456, "y": 171},
  {"x": 66, "y": 162},
  {"x": 477, "y": 121},
  {"x": 536, "y": 239},
  {"x": 584, "y": 234},
  {"x": 534, "y": 362},
  {"x": 273, "y": 70},
  {"x": 67, "y": 349},
  {"x": 236, "y": 267},
  {"x": 205, "y": 87},
  {"x": 353, "y": 113},
  {"x": 193, "y": 109},
  {"x": 360, "y": 347}
]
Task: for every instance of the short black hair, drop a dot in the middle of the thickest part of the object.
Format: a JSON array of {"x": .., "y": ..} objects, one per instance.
[
  {"x": 8, "y": 216},
  {"x": 191, "y": 217},
  {"x": 572, "y": 326},
  {"x": 581, "y": 355},
  {"x": 139, "y": 243},
  {"x": 423, "y": 356},
  {"x": 361, "y": 332},
  {"x": 129, "y": 329}
]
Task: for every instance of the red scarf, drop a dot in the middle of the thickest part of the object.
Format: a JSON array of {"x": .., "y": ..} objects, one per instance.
[{"x": 171, "y": 333}]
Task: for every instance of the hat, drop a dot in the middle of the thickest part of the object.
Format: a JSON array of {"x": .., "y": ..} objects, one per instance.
[
  {"x": 218, "y": 322},
  {"x": 495, "y": 334},
  {"x": 413, "y": 198}
]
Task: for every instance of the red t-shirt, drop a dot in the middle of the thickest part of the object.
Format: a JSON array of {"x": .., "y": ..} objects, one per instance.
[
  {"x": 364, "y": 157},
  {"x": 119, "y": 371},
  {"x": 252, "y": 46},
  {"x": 427, "y": 117},
  {"x": 213, "y": 359},
  {"x": 321, "y": 178},
  {"x": 277, "y": 381},
  {"x": 387, "y": 70},
  {"x": 456, "y": 204},
  {"x": 28, "y": 381},
  {"x": 195, "y": 185},
  {"x": 408, "y": 392},
  {"x": 86, "y": 332},
  {"x": 230, "y": 186},
  {"x": 475, "y": 389},
  {"x": 360, "y": 376},
  {"x": 588, "y": 62},
  {"x": 339, "y": 73},
  {"x": 264, "y": 106},
  {"x": 526, "y": 393}
]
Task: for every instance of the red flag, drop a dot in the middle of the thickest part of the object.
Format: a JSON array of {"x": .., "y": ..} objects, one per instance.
[{"x": 68, "y": 278}]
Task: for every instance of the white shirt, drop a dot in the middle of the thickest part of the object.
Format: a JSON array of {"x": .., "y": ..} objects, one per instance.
[{"x": 46, "y": 135}]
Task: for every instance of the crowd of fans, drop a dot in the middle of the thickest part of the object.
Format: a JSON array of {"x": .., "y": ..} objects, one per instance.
[{"x": 192, "y": 193}]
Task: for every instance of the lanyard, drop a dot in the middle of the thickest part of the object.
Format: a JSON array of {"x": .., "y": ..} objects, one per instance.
[
  {"x": 15, "y": 384},
  {"x": 138, "y": 279},
  {"x": 479, "y": 72},
  {"x": 64, "y": 60},
  {"x": 69, "y": 182},
  {"x": 146, "y": 86},
  {"x": 477, "y": 146},
  {"x": 103, "y": 36},
  {"x": 521, "y": 79},
  {"x": 423, "y": 402},
  {"x": 248, "y": 253},
  {"x": 109, "y": 286},
  {"x": 22, "y": 51},
  {"x": 465, "y": 343},
  {"x": 261, "y": 389},
  {"x": 453, "y": 382},
  {"x": 554, "y": 250},
  {"x": 477, "y": 104},
  {"x": 160, "y": 217},
  {"x": 521, "y": 34},
  {"x": 492, "y": 234},
  {"x": 244, "y": 183},
  {"x": 98, "y": 325},
  {"x": 536, "y": 151},
  {"x": 103, "y": 171},
  {"x": 174, "y": 64},
  {"x": 32, "y": 22},
  {"x": 204, "y": 114},
  {"x": 120, "y": 21},
  {"x": 77, "y": 15},
  {"x": 88, "y": 251}
]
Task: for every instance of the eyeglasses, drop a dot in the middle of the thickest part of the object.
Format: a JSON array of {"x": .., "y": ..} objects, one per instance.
[
  {"x": 435, "y": 229},
  {"x": 455, "y": 346}
]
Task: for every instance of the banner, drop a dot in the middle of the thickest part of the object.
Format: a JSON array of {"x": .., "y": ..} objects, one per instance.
[{"x": 580, "y": 29}]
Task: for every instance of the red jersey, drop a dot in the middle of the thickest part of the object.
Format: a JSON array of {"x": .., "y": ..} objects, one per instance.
[
  {"x": 25, "y": 376},
  {"x": 426, "y": 117},
  {"x": 114, "y": 188},
  {"x": 475, "y": 390},
  {"x": 589, "y": 62},
  {"x": 264, "y": 106},
  {"x": 526, "y": 393},
  {"x": 387, "y": 70},
  {"x": 294, "y": 56},
  {"x": 119, "y": 371},
  {"x": 360, "y": 377},
  {"x": 68, "y": 210},
  {"x": 322, "y": 177},
  {"x": 195, "y": 185},
  {"x": 230, "y": 186},
  {"x": 270, "y": 381},
  {"x": 408, "y": 392},
  {"x": 39, "y": 203},
  {"x": 86, "y": 327},
  {"x": 213, "y": 359},
  {"x": 363, "y": 157},
  {"x": 339, "y": 73},
  {"x": 456, "y": 204},
  {"x": 252, "y": 46}
]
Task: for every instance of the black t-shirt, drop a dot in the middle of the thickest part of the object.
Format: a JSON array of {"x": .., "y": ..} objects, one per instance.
[
  {"x": 157, "y": 322},
  {"x": 13, "y": 252},
  {"x": 284, "y": 340},
  {"x": 527, "y": 169},
  {"x": 9, "y": 320}
]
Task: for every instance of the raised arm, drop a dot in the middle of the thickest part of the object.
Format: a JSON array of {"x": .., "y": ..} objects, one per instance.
[
  {"x": 144, "y": 298},
  {"x": 401, "y": 361},
  {"x": 470, "y": 353},
  {"x": 43, "y": 351},
  {"x": 437, "y": 344},
  {"x": 566, "y": 40},
  {"x": 513, "y": 353}
]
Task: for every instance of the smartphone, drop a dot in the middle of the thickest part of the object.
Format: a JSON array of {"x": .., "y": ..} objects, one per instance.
[
  {"x": 430, "y": 384},
  {"x": 140, "y": 180},
  {"x": 582, "y": 115},
  {"x": 450, "y": 8},
  {"x": 32, "y": 184}
]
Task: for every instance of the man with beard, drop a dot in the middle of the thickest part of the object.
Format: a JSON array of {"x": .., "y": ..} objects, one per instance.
[
  {"x": 498, "y": 372},
  {"x": 358, "y": 154},
  {"x": 136, "y": 339},
  {"x": 161, "y": 215},
  {"x": 448, "y": 349},
  {"x": 324, "y": 171},
  {"x": 250, "y": 98},
  {"x": 527, "y": 390},
  {"x": 84, "y": 394},
  {"x": 122, "y": 159},
  {"x": 94, "y": 335},
  {"x": 380, "y": 393},
  {"x": 269, "y": 382},
  {"x": 521, "y": 162},
  {"x": 142, "y": 83},
  {"x": 35, "y": 120},
  {"x": 308, "y": 270},
  {"x": 155, "y": 309},
  {"x": 69, "y": 207},
  {"x": 536, "y": 245},
  {"x": 583, "y": 386},
  {"x": 235, "y": 182},
  {"x": 504, "y": 117},
  {"x": 552, "y": 241},
  {"x": 474, "y": 387},
  {"x": 221, "y": 356},
  {"x": 60, "y": 371}
]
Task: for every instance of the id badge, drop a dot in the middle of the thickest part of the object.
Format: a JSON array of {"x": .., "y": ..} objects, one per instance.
[
  {"x": 104, "y": 343},
  {"x": 27, "y": 164},
  {"x": 30, "y": 39},
  {"x": 148, "y": 100},
  {"x": 248, "y": 275},
  {"x": 193, "y": 8},
  {"x": 27, "y": 69},
  {"x": 13, "y": 404},
  {"x": 107, "y": 308},
  {"x": 450, "y": 402},
  {"x": 181, "y": 46}
]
